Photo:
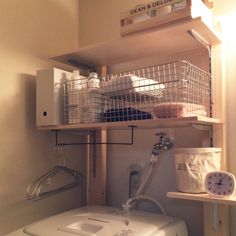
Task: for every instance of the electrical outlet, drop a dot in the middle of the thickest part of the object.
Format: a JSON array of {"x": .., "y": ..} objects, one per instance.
[{"x": 135, "y": 178}]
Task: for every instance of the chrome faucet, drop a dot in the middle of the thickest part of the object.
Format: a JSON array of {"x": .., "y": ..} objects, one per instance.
[{"x": 164, "y": 143}]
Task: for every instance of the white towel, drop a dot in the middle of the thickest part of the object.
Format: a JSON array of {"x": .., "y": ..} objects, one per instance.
[{"x": 132, "y": 84}]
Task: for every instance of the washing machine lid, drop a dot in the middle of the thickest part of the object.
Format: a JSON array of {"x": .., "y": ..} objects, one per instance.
[{"x": 99, "y": 221}]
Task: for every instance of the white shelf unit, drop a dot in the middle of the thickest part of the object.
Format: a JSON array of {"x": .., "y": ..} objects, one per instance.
[
  {"x": 167, "y": 40},
  {"x": 164, "y": 41}
]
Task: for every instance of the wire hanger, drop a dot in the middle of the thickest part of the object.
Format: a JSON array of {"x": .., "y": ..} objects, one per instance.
[{"x": 35, "y": 189}]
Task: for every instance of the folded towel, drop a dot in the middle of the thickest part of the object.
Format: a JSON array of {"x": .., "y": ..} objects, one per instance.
[
  {"x": 132, "y": 84},
  {"x": 178, "y": 109},
  {"x": 125, "y": 114}
]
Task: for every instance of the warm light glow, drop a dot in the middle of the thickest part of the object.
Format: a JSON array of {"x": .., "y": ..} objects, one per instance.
[
  {"x": 199, "y": 9},
  {"x": 228, "y": 28}
]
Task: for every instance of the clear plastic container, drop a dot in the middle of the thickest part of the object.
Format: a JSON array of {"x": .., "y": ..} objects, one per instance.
[
  {"x": 73, "y": 106},
  {"x": 92, "y": 100}
]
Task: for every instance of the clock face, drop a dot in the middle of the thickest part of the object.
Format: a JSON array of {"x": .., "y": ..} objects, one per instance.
[{"x": 220, "y": 183}]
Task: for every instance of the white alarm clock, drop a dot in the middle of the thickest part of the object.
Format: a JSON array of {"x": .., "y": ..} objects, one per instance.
[{"x": 220, "y": 183}]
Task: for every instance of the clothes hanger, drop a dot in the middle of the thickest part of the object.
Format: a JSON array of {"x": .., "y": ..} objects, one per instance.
[
  {"x": 35, "y": 189},
  {"x": 76, "y": 181}
]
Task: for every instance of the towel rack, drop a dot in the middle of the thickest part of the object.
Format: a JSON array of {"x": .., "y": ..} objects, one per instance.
[{"x": 131, "y": 142}]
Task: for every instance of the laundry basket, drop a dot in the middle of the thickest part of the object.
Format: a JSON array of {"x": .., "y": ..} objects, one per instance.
[{"x": 192, "y": 165}]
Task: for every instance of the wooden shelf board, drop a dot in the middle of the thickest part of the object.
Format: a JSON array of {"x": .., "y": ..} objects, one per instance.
[
  {"x": 204, "y": 197},
  {"x": 166, "y": 40},
  {"x": 152, "y": 123}
]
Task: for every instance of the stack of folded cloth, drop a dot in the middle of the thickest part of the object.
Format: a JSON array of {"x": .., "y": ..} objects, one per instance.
[
  {"x": 125, "y": 114},
  {"x": 178, "y": 109},
  {"x": 132, "y": 84}
]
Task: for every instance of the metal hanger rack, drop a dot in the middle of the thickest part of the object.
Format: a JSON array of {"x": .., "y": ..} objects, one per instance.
[{"x": 58, "y": 143}]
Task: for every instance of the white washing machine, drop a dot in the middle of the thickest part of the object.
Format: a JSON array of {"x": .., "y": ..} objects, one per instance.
[{"x": 105, "y": 221}]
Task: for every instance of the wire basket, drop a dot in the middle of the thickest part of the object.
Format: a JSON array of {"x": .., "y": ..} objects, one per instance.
[
  {"x": 83, "y": 102},
  {"x": 171, "y": 90}
]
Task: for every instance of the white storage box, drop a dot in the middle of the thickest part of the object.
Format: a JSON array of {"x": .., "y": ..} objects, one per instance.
[
  {"x": 49, "y": 96},
  {"x": 192, "y": 165}
]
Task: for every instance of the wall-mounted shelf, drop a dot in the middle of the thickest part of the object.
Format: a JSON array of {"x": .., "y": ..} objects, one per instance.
[
  {"x": 166, "y": 40},
  {"x": 202, "y": 197},
  {"x": 152, "y": 123},
  {"x": 162, "y": 43}
]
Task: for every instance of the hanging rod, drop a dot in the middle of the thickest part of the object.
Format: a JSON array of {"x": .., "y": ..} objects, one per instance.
[{"x": 131, "y": 142}]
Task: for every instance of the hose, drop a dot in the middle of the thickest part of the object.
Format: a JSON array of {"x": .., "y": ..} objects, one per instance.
[
  {"x": 152, "y": 163},
  {"x": 164, "y": 143},
  {"x": 129, "y": 202}
]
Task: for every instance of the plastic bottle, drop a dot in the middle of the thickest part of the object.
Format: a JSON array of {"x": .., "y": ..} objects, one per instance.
[
  {"x": 93, "y": 81},
  {"x": 76, "y": 80},
  {"x": 74, "y": 98},
  {"x": 92, "y": 100}
]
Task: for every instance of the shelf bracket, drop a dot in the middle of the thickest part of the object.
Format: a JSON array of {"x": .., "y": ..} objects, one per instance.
[
  {"x": 131, "y": 142},
  {"x": 207, "y": 45},
  {"x": 202, "y": 127},
  {"x": 200, "y": 39}
]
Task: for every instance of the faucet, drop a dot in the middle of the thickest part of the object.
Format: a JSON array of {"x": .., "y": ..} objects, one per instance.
[{"x": 164, "y": 143}]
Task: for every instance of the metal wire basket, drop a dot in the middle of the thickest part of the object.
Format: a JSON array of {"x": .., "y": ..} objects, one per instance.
[
  {"x": 83, "y": 102},
  {"x": 170, "y": 90}
]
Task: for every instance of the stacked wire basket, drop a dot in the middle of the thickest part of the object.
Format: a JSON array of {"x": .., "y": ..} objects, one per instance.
[{"x": 171, "y": 90}]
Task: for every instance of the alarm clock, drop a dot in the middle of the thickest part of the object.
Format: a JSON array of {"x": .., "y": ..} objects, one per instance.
[{"x": 220, "y": 183}]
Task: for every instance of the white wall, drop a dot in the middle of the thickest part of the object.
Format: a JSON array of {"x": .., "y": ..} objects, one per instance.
[
  {"x": 100, "y": 20},
  {"x": 31, "y": 32}
]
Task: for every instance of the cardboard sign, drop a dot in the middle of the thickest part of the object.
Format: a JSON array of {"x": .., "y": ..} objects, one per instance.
[{"x": 146, "y": 11}]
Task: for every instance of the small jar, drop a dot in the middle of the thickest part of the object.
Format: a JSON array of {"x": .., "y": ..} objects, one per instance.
[
  {"x": 73, "y": 107},
  {"x": 93, "y": 81},
  {"x": 77, "y": 81},
  {"x": 75, "y": 74}
]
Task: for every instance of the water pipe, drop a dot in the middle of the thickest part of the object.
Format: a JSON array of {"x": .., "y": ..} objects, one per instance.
[{"x": 163, "y": 143}]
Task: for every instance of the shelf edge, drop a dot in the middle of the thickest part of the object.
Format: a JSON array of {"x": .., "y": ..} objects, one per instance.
[
  {"x": 202, "y": 197},
  {"x": 152, "y": 123}
]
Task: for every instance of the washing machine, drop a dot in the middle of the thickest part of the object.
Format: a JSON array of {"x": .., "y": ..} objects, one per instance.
[{"x": 105, "y": 221}]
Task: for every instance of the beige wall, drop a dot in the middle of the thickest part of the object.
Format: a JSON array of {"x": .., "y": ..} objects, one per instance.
[
  {"x": 100, "y": 19},
  {"x": 31, "y": 32}
]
